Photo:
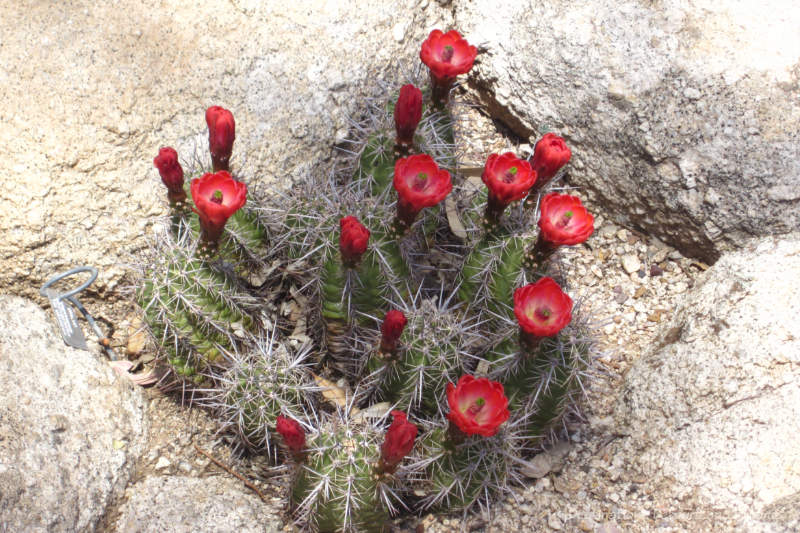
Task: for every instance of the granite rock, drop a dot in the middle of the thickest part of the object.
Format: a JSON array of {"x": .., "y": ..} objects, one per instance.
[
  {"x": 188, "y": 504},
  {"x": 71, "y": 430},
  {"x": 710, "y": 414},
  {"x": 682, "y": 115}
]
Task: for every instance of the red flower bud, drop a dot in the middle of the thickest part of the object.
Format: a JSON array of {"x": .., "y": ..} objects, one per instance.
[
  {"x": 171, "y": 173},
  {"x": 216, "y": 197},
  {"x": 478, "y": 406},
  {"x": 353, "y": 240},
  {"x": 447, "y": 54},
  {"x": 564, "y": 220},
  {"x": 419, "y": 183},
  {"x": 393, "y": 325},
  {"x": 550, "y": 154},
  {"x": 508, "y": 179},
  {"x": 398, "y": 442},
  {"x": 407, "y": 114},
  {"x": 292, "y": 432},
  {"x": 542, "y": 308},
  {"x": 221, "y": 134}
]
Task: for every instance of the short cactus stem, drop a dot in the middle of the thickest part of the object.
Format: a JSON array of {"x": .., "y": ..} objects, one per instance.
[
  {"x": 539, "y": 253},
  {"x": 494, "y": 210},
  {"x": 529, "y": 344},
  {"x": 530, "y": 201},
  {"x": 402, "y": 149},
  {"x": 440, "y": 91},
  {"x": 454, "y": 436},
  {"x": 208, "y": 247},
  {"x": 404, "y": 218},
  {"x": 220, "y": 163}
]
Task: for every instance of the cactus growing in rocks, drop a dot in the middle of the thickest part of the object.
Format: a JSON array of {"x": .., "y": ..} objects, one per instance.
[{"x": 468, "y": 335}]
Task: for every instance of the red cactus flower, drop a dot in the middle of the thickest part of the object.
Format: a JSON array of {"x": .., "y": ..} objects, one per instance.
[
  {"x": 542, "y": 308},
  {"x": 447, "y": 54},
  {"x": 419, "y": 183},
  {"x": 564, "y": 221},
  {"x": 171, "y": 173},
  {"x": 407, "y": 114},
  {"x": 293, "y": 435},
  {"x": 478, "y": 406},
  {"x": 549, "y": 155},
  {"x": 398, "y": 442},
  {"x": 508, "y": 179},
  {"x": 216, "y": 197},
  {"x": 353, "y": 240},
  {"x": 392, "y": 327},
  {"x": 221, "y": 134}
]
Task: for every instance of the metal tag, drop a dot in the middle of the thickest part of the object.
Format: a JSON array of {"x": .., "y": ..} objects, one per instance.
[{"x": 71, "y": 332}]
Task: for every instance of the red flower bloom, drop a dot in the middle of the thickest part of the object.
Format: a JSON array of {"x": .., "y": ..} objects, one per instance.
[
  {"x": 353, "y": 240},
  {"x": 564, "y": 220},
  {"x": 550, "y": 154},
  {"x": 407, "y": 114},
  {"x": 477, "y": 406},
  {"x": 508, "y": 179},
  {"x": 419, "y": 183},
  {"x": 171, "y": 173},
  {"x": 216, "y": 197},
  {"x": 398, "y": 442},
  {"x": 393, "y": 325},
  {"x": 542, "y": 308},
  {"x": 447, "y": 54},
  {"x": 292, "y": 432},
  {"x": 221, "y": 134}
]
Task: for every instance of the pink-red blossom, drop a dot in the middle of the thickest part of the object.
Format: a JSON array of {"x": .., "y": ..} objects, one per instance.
[
  {"x": 221, "y": 134},
  {"x": 398, "y": 442},
  {"x": 542, "y": 308},
  {"x": 407, "y": 114},
  {"x": 352, "y": 240},
  {"x": 564, "y": 221},
  {"x": 216, "y": 198},
  {"x": 419, "y": 183},
  {"x": 478, "y": 406}
]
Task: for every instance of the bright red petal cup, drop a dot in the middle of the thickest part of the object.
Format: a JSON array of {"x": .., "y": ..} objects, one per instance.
[
  {"x": 446, "y": 55},
  {"x": 407, "y": 114},
  {"x": 221, "y": 134},
  {"x": 549, "y": 155},
  {"x": 508, "y": 179},
  {"x": 294, "y": 436},
  {"x": 352, "y": 240},
  {"x": 542, "y": 310},
  {"x": 419, "y": 183},
  {"x": 398, "y": 442},
  {"x": 563, "y": 221},
  {"x": 392, "y": 327},
  {"x": 478, "y": 406},
  {"x": 216, "y": 198},
  {"x": 171, "y": 172}
]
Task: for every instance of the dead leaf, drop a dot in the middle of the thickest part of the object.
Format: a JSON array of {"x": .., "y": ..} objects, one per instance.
[{"x": 333, "y": 393}]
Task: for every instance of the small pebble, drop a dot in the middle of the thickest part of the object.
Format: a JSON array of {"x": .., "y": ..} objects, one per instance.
[
  {"x": 162, "y": 463},
  {"x": 631, "y": 263},
  {"x": 656, "y": 270},
  {"x": 680, "y": 287},
  {"x": 554, "y": 522}
]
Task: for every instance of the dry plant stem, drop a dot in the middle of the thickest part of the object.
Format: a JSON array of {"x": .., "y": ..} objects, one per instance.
[{"x": 231, "y": 472}]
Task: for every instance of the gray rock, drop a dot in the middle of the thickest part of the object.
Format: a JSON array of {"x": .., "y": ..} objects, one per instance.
[
  {"x": 682, "y": 115},
  {"x": 91, "y": 91},
  {"x": 71, "y": 431},
  {"x": 188, "y": 505},
  {"x": 711, "y": 412}
]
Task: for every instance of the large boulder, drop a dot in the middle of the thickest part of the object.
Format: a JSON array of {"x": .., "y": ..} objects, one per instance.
[
  {"x": 682, "y": 115},
  {"x": 711, "y": 414},
  {"x": 188, "y": 504},
  {"x": 91, "y": 90},
  {"x": 71, "y": 430}
]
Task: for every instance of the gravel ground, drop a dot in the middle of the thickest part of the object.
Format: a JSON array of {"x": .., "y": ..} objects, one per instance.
[{"x": 630, "y": 282}]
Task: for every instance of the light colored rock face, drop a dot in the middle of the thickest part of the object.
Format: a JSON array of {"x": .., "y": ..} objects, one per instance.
[
  {"x": 712, "y": 410},
  {"x": 91, "y": 90},
  {"x": 70, "y": 429},
  {"x": 682, "y": 115},
  {"x": 188, "y": 504}
]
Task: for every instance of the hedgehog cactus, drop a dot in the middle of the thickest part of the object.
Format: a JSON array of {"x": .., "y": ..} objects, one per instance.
[{"x": 468, "y": 335}]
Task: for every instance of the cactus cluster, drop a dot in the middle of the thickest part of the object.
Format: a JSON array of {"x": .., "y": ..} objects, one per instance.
[{"x": 468, "y": 340}]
